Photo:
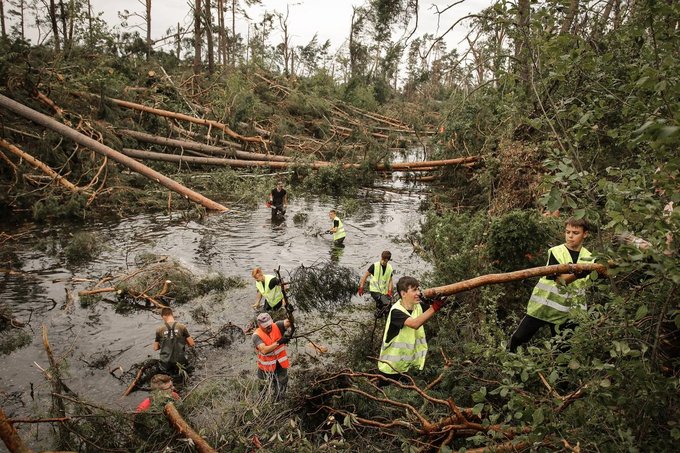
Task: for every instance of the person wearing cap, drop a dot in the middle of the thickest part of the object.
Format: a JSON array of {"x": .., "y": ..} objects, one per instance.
[
  {"x": 171, "y": 339},
  {"x": 278, "y": 199},
  {"x": 162, "y": 389},
  {"x": 269, "y": 340},
  {"x": 380, "y": 283},
  {"x": 269, "y": 287},
  {"x": 404, "y": 345}
]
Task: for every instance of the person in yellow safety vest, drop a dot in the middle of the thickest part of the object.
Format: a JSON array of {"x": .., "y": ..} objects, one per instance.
[
  {"x": 404, "y": 345},
  {"x": 338, "y": 229},
  {"x": 554, "y": 296},
  {"x": 380, "y": 284},
  {"x": 269, "y": 340},
  {"x": 269, "y": 287}
]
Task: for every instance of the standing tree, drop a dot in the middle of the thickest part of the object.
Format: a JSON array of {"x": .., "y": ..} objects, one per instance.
[
  {"x": 55, "y": 26},
  {"x": 2, "y": 19},
  {"x": 207, "y": 19},
  {"x": 197, "y": 37},
  {"x": 146, "y": 18}
]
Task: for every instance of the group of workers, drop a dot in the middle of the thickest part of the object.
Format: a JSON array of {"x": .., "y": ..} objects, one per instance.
[{"x": 404, "y": 344}]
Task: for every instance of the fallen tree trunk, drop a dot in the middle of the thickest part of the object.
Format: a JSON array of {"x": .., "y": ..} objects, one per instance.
[
  {"x": 102, "y": 149},
  {"x": 217, "y": 161},
  {"x": 427, "y": 163},
  {"x": 38, "y": 164},
  {"x": 191, "y": 119},
  {"x": 195, "y": 146},
  {"x": 185, "y": 430},
  {"x": 10, "y": 436},
  {"x": 492, "y": 279}
]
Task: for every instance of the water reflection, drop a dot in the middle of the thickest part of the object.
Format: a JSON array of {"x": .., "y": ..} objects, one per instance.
[{"x": 337, "y": 250}]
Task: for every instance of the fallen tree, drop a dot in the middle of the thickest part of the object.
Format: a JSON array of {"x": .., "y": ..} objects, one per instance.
[
  {"x": 185, "y": 430},
  {"x": 10, "y": 436},
  {"x": 195, "y": 146},
  {"x": 492, "y": 279},
  {"x": 104, "y": 150}
]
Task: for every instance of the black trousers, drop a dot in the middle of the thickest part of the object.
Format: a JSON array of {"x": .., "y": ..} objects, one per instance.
[{"x": 528, "y": 328}]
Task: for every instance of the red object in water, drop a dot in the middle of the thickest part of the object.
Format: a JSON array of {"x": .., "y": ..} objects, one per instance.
[{"x": 269, "y": 204}]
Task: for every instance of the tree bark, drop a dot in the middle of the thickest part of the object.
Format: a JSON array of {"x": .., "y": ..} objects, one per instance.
[
  {"x": 492, "y": 279},
  {"x": 104, "y": 150},
  {"x": 197, "y": 37},
  {"x": 209, "y": 149},
  {"x": 209, "y": 36},
  {"x": 569, "y": 17},
  {"x": 35, "y": 163},
  {"x": 522, "y": 54},
  {"x": 183, "y": 117},
  {"x": 55, "y": 27},
  {"x": 185, "y": 430},
  {"x": 221, "y": 37},
  {"x": 10, "y": 436},
  {"x": 3, "y": 31},
  {"x": 148, "y": 30}
]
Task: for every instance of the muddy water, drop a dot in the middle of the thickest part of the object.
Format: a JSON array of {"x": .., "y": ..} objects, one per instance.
[{"x": 230, "y": 243}]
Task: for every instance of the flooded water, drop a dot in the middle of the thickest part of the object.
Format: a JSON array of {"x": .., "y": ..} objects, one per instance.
[{"x": 231, "y": 243}]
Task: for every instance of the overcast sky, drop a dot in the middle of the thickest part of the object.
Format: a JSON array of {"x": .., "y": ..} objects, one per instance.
[{"x": 330, "y": 19}]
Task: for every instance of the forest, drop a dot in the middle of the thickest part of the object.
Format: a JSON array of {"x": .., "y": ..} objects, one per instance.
[{"x": 552, "y": 110}]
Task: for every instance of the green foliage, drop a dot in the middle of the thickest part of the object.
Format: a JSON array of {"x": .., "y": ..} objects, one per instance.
[
  {"x": 520, "y": 239},
  {"x": 83, "y": 247},
  {"x": 218, "y": 282}
]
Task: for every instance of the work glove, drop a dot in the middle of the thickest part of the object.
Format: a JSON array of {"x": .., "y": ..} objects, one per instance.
[
  {"x": 361, "y": 290},
  {"x": 389, "y": 292},
  {"x": 438, "y": 303},
  {"x": 284, "y": 340}
]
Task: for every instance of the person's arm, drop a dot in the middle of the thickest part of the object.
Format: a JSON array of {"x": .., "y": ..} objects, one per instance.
[
  {"x": 415, "y": 323},
  {"x": 190, "y": 341},
  {"x": 389, "y": 287},
  {"x": 362, "y": 282},
  {"x": 336, "y": 224},
  {"x": 257, "y": 301},
  {"x": 157, "y": 342},
  {"x": 271, "y": 196},
  {"x": 285, "y": 199}
]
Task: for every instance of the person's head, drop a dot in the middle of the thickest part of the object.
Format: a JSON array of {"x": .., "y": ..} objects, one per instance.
[
  {"x": 265, "y": 321},
  {"x": 166, "y": 312},
  {"x": 409, "y": 289},
  {"x": 258, "y": 274},
  {"x": 279, "y": 185},
  {"x": 332, "y": 213},
  {"x": 575, "y": 231},
  {"x": 161, "y": 382},
  {"x": 385, "y": 257}
]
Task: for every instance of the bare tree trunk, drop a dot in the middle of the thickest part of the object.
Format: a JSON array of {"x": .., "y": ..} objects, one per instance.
[
  {"x": 569, "y": 17},
  {"x": 185, "y": 430},
  {"x": 352, "y": 52},
  {"x": 71, "y": 23},
  {"x": 63, "y": 25},
  {"x": 89, "y": 21},
  {"x": 104, "y": 150},
  {"x": 179, "y": 40},
  {"x": 522, "y": 54},
  {"x": 22, "y": 5},
  {"x": 209, "y": 35},
  {"x": 492, "y": 279},
  {"x": 197, "y": 37},
  {"x": 148, "y": 30},
  {"x": 3, "y": 31},
  {"x": 286, "y": 42},
  {"x": 602, "y": 21},
  {"x": 232, "y": 47},
  {"x": 55, "y": 27},
  {"x": 221, "y": 40}
]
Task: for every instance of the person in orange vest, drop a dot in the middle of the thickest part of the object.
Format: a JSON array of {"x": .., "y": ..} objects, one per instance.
[{"x": 270, "y": 341}]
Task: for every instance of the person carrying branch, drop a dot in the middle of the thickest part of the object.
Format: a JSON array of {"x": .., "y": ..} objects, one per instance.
[
  {"x": 270, "y": 341},
  {"x": 171, "y": 339},
  {"x": 338, "y": 229},
  {"x": 278, "y": 199},
  {"x": 404, "y": 345},
  {"x": 554, "y": 296},
  {"x": 269, "y": 287},
  {"x": 380, "y": 283}
]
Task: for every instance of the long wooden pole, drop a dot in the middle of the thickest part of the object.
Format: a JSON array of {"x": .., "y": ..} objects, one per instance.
[
  {"x": 492, "y": 279},
  {"x": 102, "y": 149},
  {"x": 195, "y": 146},
  {"x": 11, "y": 437}
]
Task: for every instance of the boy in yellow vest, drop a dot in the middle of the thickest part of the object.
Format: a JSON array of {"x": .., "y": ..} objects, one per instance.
[
  {"x": 337, "y": 230},
  {"x": 554, "y": 296},
  {"x": 381, "y": 283},
  {"x": 269, "y": 288},
  {"x": 404, "y": 345}
]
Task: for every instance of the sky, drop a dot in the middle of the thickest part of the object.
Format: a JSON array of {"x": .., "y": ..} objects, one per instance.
[{"x": 329, "y": 19}]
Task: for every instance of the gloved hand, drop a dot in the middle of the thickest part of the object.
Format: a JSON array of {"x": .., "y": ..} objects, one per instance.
[
  {"x": 284, "y": 340},
  {"x": 438, "y": 303},
  {"x": 389, "y": 292},
  {"x": 361, "y": 290}
]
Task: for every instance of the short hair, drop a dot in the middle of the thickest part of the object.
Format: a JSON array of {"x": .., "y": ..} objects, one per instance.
[
  {"x": 166, "y": 311},
  {"x": 405, "y": 283},
  {"x": 333, "y": 211},
  {"x": 386, "y": 255},
  {"x": 161, "y": 382},
  {"x": 582, "y": 222},
  {"x": 256, "y": 271},
  {"x": 279, "y": 182}
]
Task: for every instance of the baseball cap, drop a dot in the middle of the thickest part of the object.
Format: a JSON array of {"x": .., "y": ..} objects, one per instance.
[{"x": 264, "y": 319}]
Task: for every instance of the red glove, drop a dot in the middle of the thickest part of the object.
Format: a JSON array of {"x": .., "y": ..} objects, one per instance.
[
  {"x": 438, "y": 304},
  {"x": 361, "y": 290},
  {"x": 389, "y": 292}
]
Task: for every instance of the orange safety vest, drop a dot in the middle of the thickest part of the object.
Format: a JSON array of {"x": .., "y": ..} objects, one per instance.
[{"x": 267, "y": 362}]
